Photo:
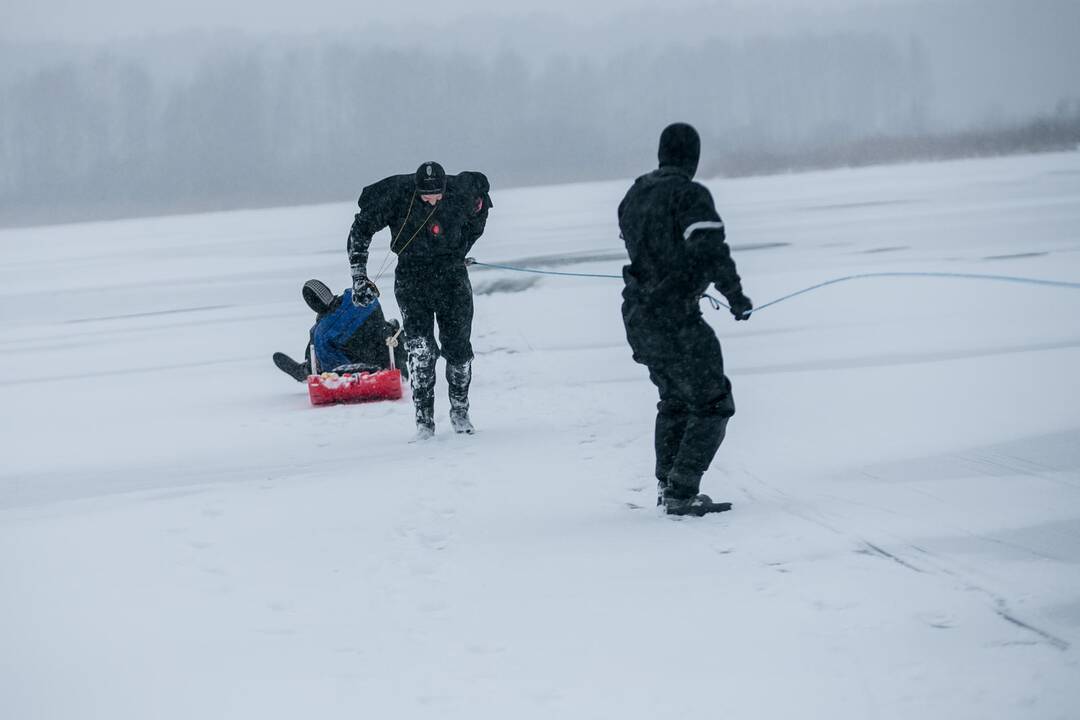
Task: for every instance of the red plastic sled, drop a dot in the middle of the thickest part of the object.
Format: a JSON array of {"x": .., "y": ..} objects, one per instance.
[{"x": 331, "y": 388}]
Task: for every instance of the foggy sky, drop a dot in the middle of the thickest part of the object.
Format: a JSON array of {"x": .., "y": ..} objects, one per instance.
[
  {"x": 990, "y": 58},
  {"x": 77, "y": 21},
  {"x": 139, "y": 106}
]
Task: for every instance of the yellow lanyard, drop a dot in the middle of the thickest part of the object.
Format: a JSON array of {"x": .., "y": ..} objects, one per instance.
[
  {"x": 383, "y": 267},
  {"x": 422, "y": 226}
]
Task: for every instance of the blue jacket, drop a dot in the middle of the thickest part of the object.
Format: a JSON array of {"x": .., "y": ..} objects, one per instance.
[{"x": 334, "y": 329}]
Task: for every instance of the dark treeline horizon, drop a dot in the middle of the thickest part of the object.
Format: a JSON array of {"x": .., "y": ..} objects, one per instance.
[{"x": 247, "y": 122}]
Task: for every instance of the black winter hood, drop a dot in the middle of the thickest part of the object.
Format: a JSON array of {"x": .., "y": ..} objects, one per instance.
[{"x": 680, "y": 147}]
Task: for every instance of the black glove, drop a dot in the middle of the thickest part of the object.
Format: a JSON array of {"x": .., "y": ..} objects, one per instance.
[
  {"x": 741, "y": 307},
  {"x": 364, "y": 291}
]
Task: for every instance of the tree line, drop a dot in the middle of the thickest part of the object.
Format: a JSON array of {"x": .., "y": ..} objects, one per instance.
[{"x": 263, "y": 124}]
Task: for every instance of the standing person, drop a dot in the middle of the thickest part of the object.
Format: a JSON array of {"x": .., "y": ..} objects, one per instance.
[
  {"x": 677, "y": 247},
  {"x": 434, "y": 220}
]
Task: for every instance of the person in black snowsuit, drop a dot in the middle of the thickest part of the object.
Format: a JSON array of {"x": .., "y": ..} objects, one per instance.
[
  {"x": 346, "y": 338},
  {"x": 434, "y": 220},
  {"x": 677, "y": 247}
]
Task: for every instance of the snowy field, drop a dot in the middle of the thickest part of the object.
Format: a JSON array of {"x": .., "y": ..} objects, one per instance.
[{"x": 183, "y": 536}]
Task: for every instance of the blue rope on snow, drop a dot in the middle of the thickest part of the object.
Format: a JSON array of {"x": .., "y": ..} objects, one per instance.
[
  {"x": 962, "y": 276},
  {"x": 543, "y": 272},
  {"x": 717, "y": 304}
]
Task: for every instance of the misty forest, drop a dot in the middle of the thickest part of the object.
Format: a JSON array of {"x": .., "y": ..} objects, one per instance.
[{"x": 228, "y": 120}]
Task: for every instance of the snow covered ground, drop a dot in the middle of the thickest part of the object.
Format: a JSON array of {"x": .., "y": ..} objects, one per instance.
[{"x": 183, "y": 536}]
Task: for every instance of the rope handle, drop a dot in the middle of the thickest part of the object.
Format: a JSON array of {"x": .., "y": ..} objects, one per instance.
[{"x": 391, "y": 343}]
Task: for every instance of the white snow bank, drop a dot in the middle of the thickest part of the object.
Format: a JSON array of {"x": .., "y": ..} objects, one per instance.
[{"x": 182, "y": 535}]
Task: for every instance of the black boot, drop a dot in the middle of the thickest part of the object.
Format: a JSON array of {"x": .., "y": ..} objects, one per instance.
[
  {"x": 697, "y": 505},
  {"x": 297, "y": 371},
  {"x": 458, "y": 379},
  {"x": 680, "y": 496}
]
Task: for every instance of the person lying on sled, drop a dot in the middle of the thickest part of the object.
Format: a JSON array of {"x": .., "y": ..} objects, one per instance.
[{"x": 346, "y": 338}]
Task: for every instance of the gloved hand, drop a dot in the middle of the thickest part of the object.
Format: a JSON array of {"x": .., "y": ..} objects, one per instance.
[
  {"x": 741, "y": 307},
  {"x": 364, "y": 291}
]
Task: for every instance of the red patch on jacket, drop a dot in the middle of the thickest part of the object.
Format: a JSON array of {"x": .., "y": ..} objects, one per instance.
[{"x": 436, "y": 229}]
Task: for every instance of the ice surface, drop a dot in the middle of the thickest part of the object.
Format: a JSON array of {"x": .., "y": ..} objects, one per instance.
[{"x": 183, "y": 536}]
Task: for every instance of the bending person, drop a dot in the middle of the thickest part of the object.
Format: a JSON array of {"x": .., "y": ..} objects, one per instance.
[{"x": 434, "y": 219}]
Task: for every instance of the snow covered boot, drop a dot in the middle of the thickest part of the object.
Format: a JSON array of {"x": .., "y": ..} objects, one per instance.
[
  {"x": 423, "y": 432},
  {"x": 425, "y": 417},
  {"x": 459, "y": 420},
  {"x": 297, "y": 371},
  {"x": 422, "y": 381},
  {"x": 458, "y": 378}
]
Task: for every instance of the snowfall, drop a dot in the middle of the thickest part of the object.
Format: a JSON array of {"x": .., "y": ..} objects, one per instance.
[{"x": 183, "y": 535}]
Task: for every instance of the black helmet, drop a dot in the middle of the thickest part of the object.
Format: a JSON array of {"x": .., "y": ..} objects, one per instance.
[
  {"x": 430, "y": 179},
  {"x": 317, "y": 296},
  {"x": 680, "y": 146}
]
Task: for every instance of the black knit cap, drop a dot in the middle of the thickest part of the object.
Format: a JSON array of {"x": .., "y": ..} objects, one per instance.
[
  {"x": 680, "y": 146},
  {"x": 430, "y": 179}
]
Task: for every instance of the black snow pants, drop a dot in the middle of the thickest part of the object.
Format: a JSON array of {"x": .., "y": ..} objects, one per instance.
[
  {"x": 687, "y": 366},
  {"x": 440, "y": 295}
]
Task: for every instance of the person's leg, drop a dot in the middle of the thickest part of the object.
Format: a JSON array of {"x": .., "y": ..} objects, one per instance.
[
  {"x": 296, "y": 370},
  {"x": 458, "y": 379},
  {"x": 653, "y": 339},
  {"x": 367, "y": 345},
  {"x": 455, "y": 316},
  {"x": 706, "y": 427},
  {"x": 698, "y": 380},
  {"x": 419, "y": 322},
  {"x": 671, "y": 417}
]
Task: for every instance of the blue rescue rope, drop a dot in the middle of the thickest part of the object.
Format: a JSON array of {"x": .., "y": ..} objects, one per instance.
[
  {"x": 542, "y": 272},
  {"x": 962, "y": 276},
  {"x": 717, "y": 304}
]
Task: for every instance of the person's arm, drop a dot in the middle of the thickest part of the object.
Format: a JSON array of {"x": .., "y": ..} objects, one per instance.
[
  {"x": 373, "y": 217},
  {"x": 706, "y": 245},
  {"x": 474, "y": 226},
  {"x": 310, "y": 344},
  {"x": 479, "y": 205},
  {"x": 357, "y": 247}
]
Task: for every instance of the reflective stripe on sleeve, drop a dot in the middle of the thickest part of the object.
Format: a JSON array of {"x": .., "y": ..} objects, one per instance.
[{"x": 703, "y": 225}]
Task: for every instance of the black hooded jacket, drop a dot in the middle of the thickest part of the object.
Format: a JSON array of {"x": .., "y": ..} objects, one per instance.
[
  {"x": 676, "y": 243},
  {"x": 426, "y": 238}
]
